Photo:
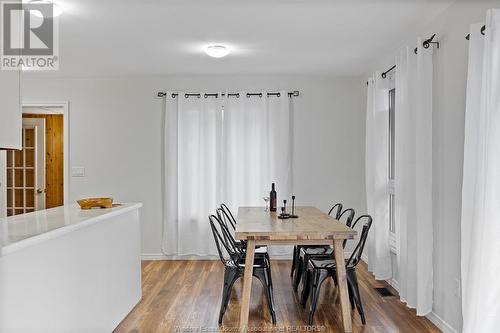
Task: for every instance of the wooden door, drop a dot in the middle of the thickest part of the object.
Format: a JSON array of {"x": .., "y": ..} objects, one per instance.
[{"x": 54, "y": 157}]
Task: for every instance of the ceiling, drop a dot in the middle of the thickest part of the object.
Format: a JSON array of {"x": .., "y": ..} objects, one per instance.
[{"x": 166, "y": 37}]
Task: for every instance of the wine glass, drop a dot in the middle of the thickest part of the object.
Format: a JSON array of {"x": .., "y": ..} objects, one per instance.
[{"x": 266, "y": 199}]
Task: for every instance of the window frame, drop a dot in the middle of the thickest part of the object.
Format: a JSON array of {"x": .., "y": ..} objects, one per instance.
[{"x": 391, "y": 168}]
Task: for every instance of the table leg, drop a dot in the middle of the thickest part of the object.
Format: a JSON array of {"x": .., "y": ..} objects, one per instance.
[
  {"x": 247, "y": 285},
  {"x": 342, "y": 283}
]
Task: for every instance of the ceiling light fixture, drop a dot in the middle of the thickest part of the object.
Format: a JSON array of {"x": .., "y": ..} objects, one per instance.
[
  {"x": 217, "y": 51},
  {"x": 57, "y": 10}
]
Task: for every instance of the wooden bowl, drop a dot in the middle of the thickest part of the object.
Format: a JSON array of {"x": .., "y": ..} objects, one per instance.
[{"x": 90, "y": 203}]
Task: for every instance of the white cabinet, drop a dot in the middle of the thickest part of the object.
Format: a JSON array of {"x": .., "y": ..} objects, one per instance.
[{"x": 10, "y": 110}]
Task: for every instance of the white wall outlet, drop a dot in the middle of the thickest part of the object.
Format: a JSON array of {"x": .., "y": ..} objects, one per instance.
[{"x": 78, "y": 172}]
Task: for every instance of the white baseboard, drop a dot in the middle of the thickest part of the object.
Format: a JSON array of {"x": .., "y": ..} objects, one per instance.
[
  {"x": 393, "y": 284},
  {"x": 440, "y": 323},
  {"x": 364, "y": 257},
  {"x": 161, "y": 256}
]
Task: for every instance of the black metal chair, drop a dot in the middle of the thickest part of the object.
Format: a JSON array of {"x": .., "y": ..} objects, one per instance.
[
  {"x": 318, "y": 251},
  {"x": 318, "y": 270},
  {"x": 336, "y": 210},
  {"x": 226, "y": 217},
  {"x": 233, "y": 260}
]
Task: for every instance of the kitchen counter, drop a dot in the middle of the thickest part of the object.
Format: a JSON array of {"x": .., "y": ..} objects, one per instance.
[
  {"x": 17, "y": 232},
  {"x": 69, "y": 270}
]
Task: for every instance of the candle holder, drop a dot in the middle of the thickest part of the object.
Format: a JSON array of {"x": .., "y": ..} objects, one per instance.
[
  {"x": 284, "y": 214},
  {"x": 293, "y": 216}
]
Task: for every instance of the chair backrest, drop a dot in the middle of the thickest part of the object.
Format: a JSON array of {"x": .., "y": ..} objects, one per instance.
[
  {"x": 347, "y": 215},
  {"x": 229, "y": 215},
  {"x": 225, "y": 219},
  {"x": 336, "y": 210},
  {"x": 225, "y": 248},
  {"x": 355, "y": 257}
]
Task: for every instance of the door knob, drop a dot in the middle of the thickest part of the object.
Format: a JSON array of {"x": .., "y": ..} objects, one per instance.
[{"x": 39, "y": 191}]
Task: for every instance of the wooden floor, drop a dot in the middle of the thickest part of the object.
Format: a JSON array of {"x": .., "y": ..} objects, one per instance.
[{"x": 181, "y": 295}]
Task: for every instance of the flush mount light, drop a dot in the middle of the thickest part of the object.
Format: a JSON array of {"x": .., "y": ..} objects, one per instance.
[
  {"x": 57, "y": 10},
  {"x": 217, "y": 51}
]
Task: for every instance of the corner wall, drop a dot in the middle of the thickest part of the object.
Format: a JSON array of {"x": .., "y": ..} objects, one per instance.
[
  {"x": 450, "y": 76},
  {"x": 116, "y": 134}
]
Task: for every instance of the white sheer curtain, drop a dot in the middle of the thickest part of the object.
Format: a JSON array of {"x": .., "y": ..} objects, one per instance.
[
  {"x": 221, "y": 150},
  {"x": 413, "y": 176},
  {"x": 192, "y": 137},
  {"x": 481, "y": 182},
  {"x": 377, "y": 176},
  {"x": 257, "y": 151}
]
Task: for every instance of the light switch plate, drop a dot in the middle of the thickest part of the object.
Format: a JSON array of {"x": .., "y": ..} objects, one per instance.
[{"x": 77, "y": 172}]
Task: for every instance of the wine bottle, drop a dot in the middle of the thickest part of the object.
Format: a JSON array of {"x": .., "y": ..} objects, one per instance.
[{"x": 273, "y": 198}]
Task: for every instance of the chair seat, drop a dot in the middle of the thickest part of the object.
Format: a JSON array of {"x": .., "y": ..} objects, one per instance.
[
  {"x": 261, "y": 250},
  {"x": 323, "y": 264},
  {"x": 313, "y": 251},
  {"x": 259, "y": 262},
  {"x": 258, "y": 249}
]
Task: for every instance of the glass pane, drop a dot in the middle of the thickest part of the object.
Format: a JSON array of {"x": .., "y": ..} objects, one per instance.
[
  {"x": 30, "y": 178},
  {"x": 19, "y": 178},
  {"x": 9, "y": 177},
  {"x": 392, "y": 220},
  {"x": 29, "y": 139},
  {"x": 30, "y": 198},
  {"x": 30, "y": 210},
  {"x": 10, "y": 154},
  {"x": 18, "y": 158},
  {"x": 19, "y": 198},
  {"x": 9, "y": 198},
  {"x": 9, "y": 212},
  {"x": 30, "y": 157},
  {"x": 19, "y": 211},
  {"x": 392, "y": 128}
]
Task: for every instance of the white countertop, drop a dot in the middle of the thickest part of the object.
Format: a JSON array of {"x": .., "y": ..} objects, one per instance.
[{"x": 20, "y": 231}]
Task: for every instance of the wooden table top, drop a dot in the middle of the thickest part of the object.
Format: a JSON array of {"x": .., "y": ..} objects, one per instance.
[{"x": 312, "y": 224}]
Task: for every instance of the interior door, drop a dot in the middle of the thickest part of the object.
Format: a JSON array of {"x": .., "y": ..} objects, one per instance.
[{"x": 26, "y": 170}]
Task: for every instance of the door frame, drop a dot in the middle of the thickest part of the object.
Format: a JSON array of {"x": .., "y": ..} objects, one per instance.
[
  {"x": 39, "y": 127},
  {"x": 63, "y": 109},
  {"x": 60, "y": 108}
]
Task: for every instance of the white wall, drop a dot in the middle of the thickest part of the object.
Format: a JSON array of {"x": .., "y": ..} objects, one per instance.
[
  {"x": 116, "y": 124},
  {"x": 450, "y": 74}
]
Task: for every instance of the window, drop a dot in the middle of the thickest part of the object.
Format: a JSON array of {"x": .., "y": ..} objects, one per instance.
[{"x": 391, "y": 150}]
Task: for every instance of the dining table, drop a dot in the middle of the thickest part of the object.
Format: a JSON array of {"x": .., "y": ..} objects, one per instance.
[{"x": 259, "y": 226}]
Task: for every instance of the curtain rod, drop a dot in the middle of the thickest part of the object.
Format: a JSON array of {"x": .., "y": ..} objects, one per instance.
[
  {"x": 294, "y": 93},
  {"x": 384, "y": 74},
  {"x": 426, "y": 44},
  {"x": 483, "y": 29}
]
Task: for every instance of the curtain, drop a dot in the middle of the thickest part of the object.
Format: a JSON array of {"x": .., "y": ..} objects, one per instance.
[
  {"x": 481, "y": 182},
  {"x": 413, "y": 176},
  {"x": 221, "y": 150},
  {"x": 192, "y": 135},
  {"x": 376, "y": 169},
  {"x": 257, "y": 151}
]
